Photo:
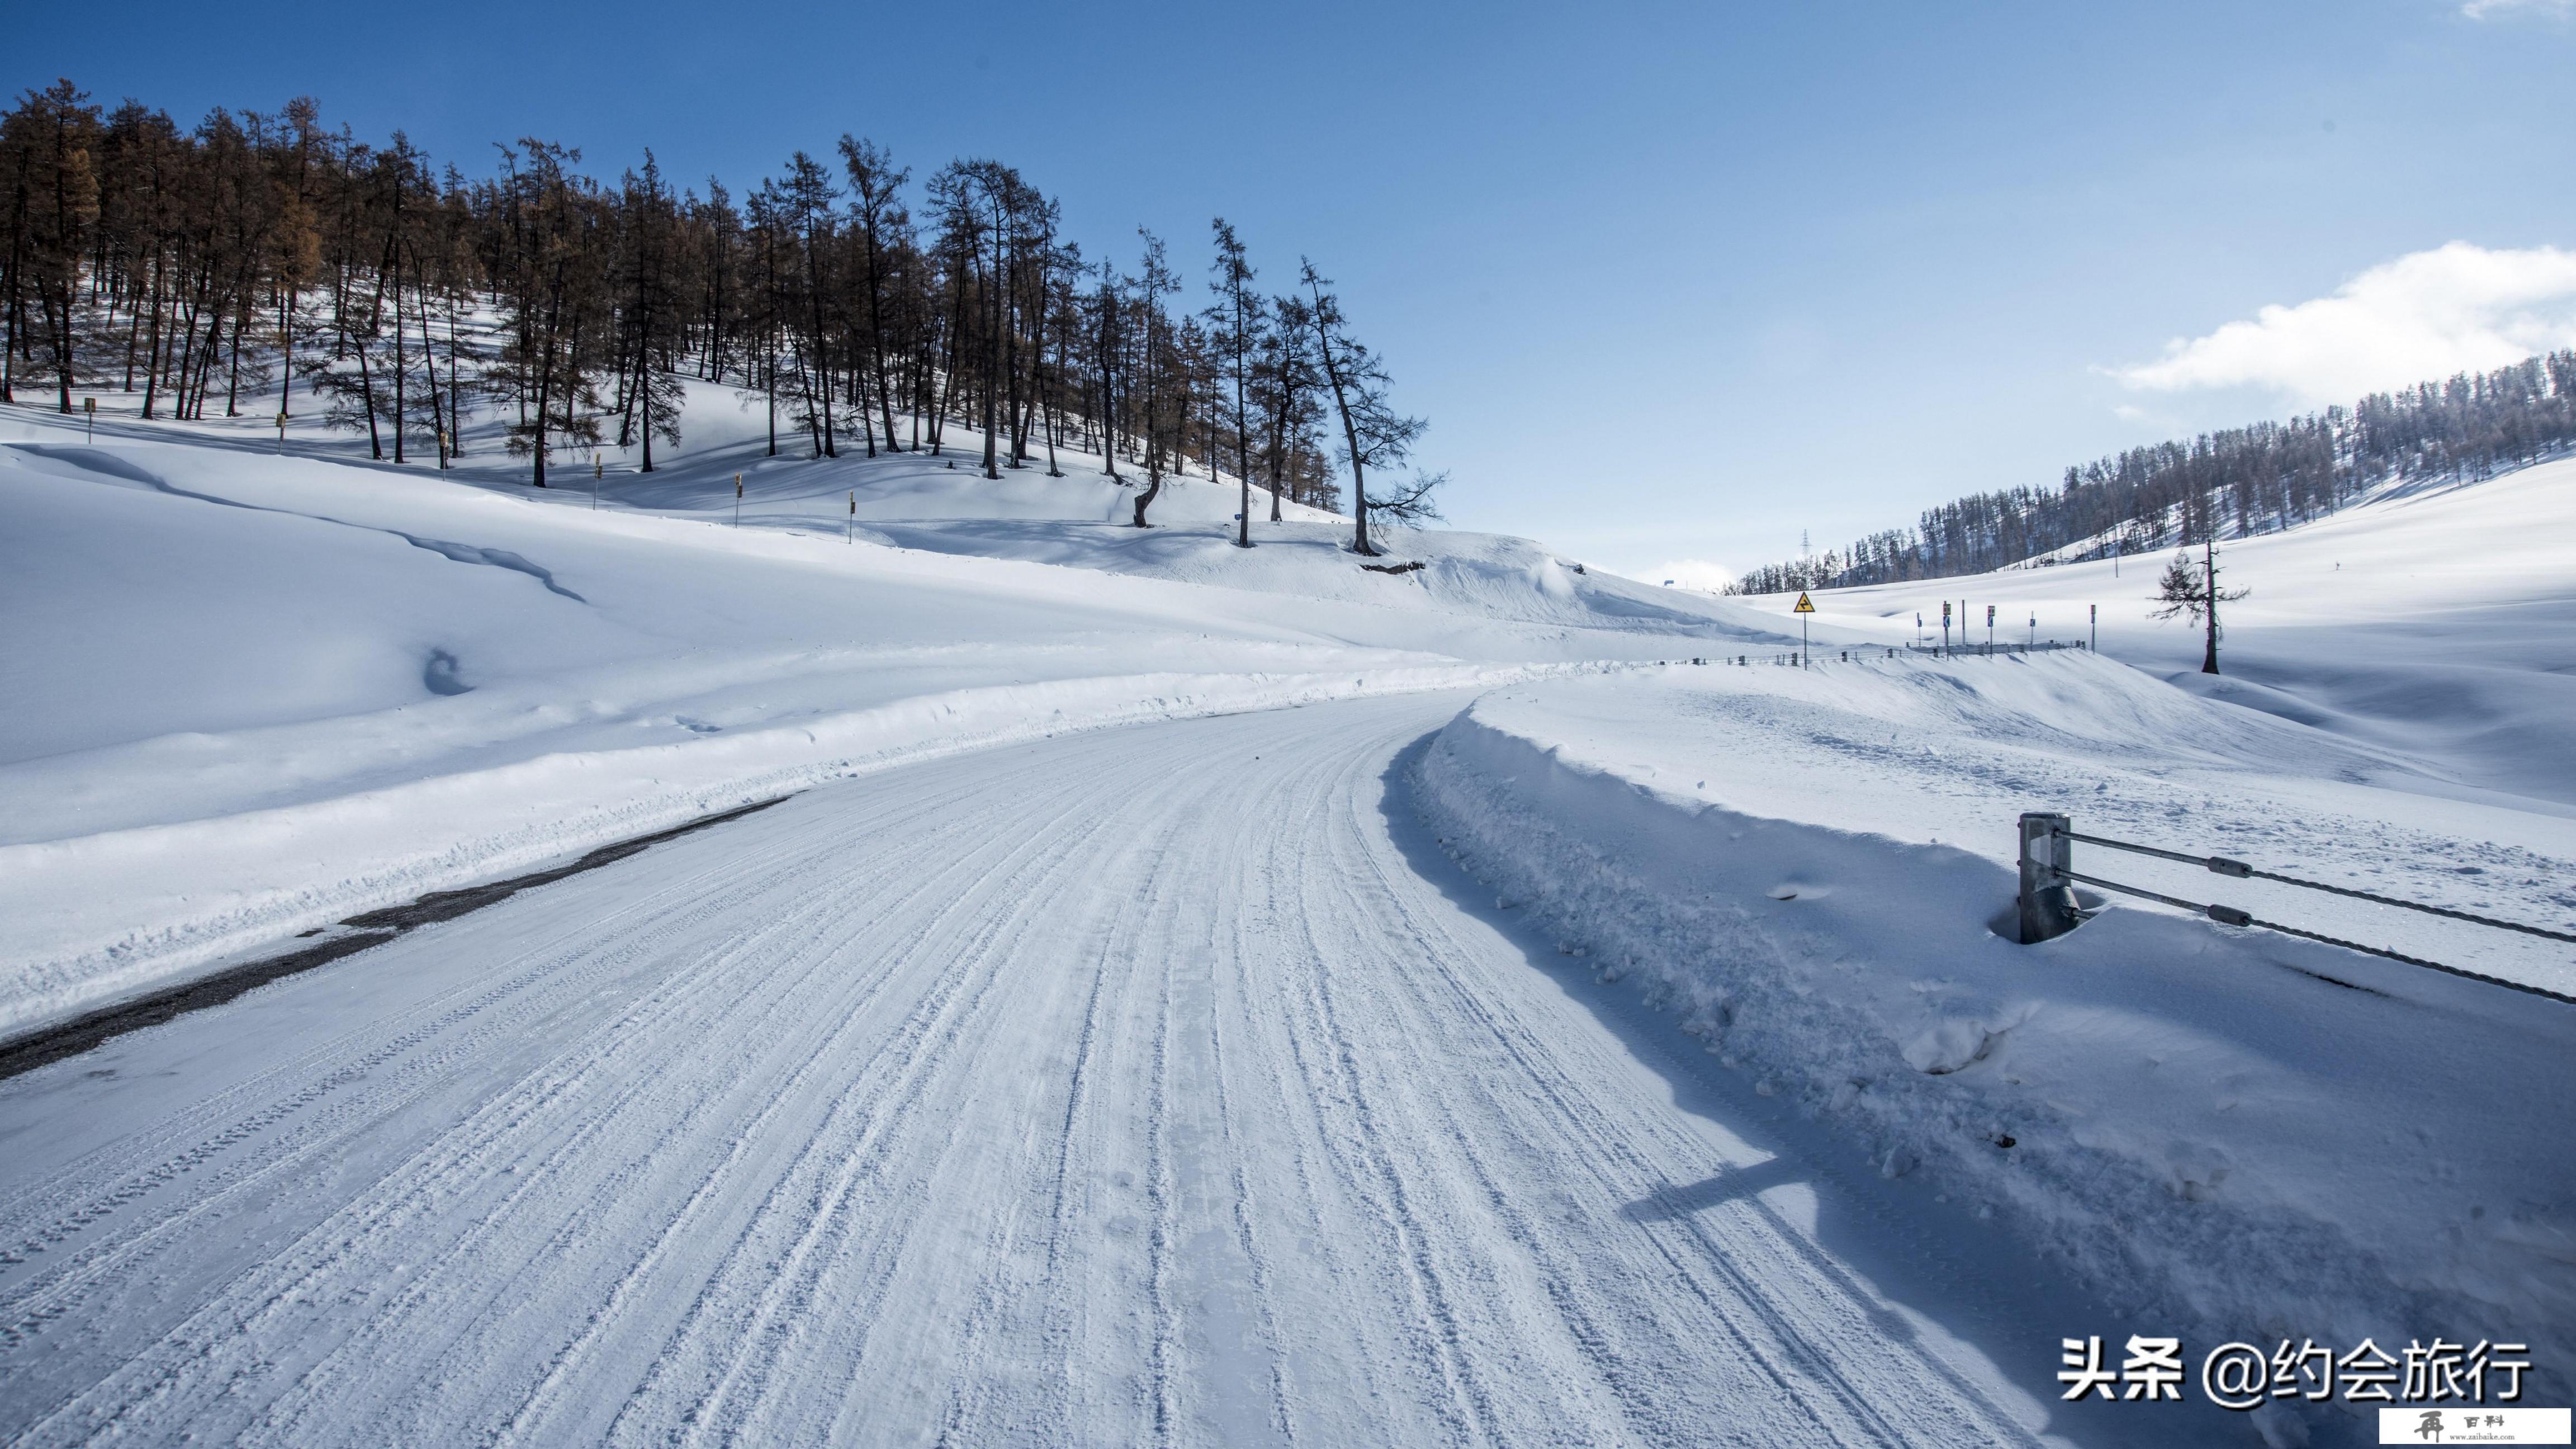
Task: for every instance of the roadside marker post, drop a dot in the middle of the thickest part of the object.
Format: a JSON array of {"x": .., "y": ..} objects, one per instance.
[
  {"x": 850, "y": 525},
  {"x": 737, "y": 500},
  {"x": 281, "y": 435},
  {"x": 1990, "y": 628},
  {"x": 598, "y": 470},
  {"x": 89, "y": 419},
  {"x": 1805, "y": 607},
  {"x": 1945, "y": 627},
  {"x": 2093, "y": 621}
]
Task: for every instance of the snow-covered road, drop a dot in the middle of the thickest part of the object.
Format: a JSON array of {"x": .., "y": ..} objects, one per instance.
[{"x": 1160, "y": 1084}]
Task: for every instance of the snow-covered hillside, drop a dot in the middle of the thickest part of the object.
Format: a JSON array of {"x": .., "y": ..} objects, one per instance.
[
  {"x": 2436, "y": 623},
  {"x": 257, "y": 692}
]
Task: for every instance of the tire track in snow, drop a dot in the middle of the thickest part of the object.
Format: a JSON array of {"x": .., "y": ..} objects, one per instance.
[
  {"x": 839, "y": 1210},
  {"x": 822, "y": 1136},
  {"x": 836, "y": 1202},
  {"x": 343, "y": 1229}
]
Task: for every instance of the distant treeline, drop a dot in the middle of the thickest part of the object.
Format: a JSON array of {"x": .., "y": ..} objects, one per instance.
[
  {"x": 219, "y": 267},
  {"x": 2248, "y": 480}
]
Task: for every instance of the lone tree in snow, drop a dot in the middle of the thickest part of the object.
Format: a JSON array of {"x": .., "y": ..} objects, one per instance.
[
  {"x": 2189, "y": 588},
  {"x": 1373, "y": 436}
]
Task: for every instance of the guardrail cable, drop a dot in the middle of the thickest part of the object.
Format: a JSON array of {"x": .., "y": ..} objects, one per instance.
[
  {"x": 2049, "y": 910},
  {"x": 2221, "y": 865}
]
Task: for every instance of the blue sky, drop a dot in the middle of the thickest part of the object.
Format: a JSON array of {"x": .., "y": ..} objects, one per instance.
[{"x": 1671, "y": 282}]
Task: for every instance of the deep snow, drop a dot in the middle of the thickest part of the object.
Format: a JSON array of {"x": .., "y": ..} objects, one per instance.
[{"x": 2241, "y": 1132}]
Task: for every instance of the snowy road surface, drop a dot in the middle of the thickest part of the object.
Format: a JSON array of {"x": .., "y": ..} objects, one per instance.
[{"x": 1153, "y": 1085}]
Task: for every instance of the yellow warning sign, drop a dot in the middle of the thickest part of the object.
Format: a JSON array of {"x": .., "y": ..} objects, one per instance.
[{"x": 1805, "y": 604}]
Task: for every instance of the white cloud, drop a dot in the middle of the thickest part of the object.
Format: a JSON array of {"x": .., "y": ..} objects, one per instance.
[
  {"x": 2425, "y": 315},
  {"x": 1690, "y": 573},
  {"x": 2481, "y": 9}
]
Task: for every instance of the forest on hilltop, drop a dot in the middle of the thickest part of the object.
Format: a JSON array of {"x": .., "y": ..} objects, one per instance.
[
  {"x": 2240, "y": 481},
  {"x": 220, "y": 266}
]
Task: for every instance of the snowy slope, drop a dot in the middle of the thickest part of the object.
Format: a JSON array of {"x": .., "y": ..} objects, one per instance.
[
  {"x": 2435, "y": 622},
  {"x": 259, "y": 692}
]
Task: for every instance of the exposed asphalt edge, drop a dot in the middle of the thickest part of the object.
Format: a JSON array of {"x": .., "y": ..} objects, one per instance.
[{"x": 367, "y": 929}]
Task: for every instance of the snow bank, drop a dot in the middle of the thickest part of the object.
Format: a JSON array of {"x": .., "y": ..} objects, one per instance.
[
  {"x": 2225, "y": 1131},
  {"x": 106, "y": 916}
]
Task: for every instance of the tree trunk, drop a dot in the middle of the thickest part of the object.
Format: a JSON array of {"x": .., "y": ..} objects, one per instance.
[
  {"x": 993, "y": 357},
  {"x": 2209, "y": 574}
]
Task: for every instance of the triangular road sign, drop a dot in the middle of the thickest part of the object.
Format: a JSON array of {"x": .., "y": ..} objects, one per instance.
[{"x": 1805, "y": 604}]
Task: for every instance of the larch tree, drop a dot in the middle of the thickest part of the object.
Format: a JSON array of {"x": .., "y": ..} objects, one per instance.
[
  {"x": 651, "y": 313},
  {"x": 1374, "y": 435},
  {"x": 1236, "y": 323},
  {"x": 876, "y": 205},
  {"x": 1158, "y": 370},
  {"x": 2192, "y": 590}
]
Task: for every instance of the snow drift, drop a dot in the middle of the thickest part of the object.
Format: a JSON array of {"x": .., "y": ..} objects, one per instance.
[{"x": 2228, "y": 1132}]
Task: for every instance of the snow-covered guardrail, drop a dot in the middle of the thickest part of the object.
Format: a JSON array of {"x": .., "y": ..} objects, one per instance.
[{"x": 2049, "y": 909}]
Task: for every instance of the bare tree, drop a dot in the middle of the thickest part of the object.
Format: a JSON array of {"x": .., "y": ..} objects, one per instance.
[
  {"x": 1374, "y": 435},
  {"x": 1159, "y": 374},
  {"x": 876, "y": 187},
  {"x": 1236, "y": 320}
]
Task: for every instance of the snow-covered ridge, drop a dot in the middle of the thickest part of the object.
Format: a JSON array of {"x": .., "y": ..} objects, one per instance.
[{"x": 2241, "y": 1132}]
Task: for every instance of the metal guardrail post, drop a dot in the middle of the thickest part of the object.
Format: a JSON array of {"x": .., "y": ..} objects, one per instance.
[{"x": 2048, "y": 906}]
